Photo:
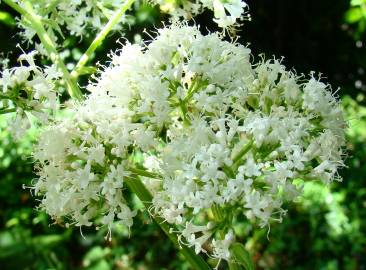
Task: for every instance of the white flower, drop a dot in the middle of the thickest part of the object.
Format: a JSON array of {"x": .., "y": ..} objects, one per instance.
[
  {"x": 97, "y": 154},
  {"x": 189, "y": 232},
  {"x": 226, "y": 13},
  {"x": 126, "y": 215},
  {"x": 194, "y": 112},
  {"x": 113, "y": 181},
  {"x": 76, "y": 16},
  {"x": 84, "y": 176},
  {"x": 235, "y": 8},
  {"x": 221, "y": 247},
  {"x": 251, "y": 168},
  {"x": 30, "y": 90}
]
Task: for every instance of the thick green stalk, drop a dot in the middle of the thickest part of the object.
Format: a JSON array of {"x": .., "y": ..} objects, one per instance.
[
  {"x": 100, "y": 37},
  {"x": 137, "y": 187},
  {"x": 48, "y": 44}
]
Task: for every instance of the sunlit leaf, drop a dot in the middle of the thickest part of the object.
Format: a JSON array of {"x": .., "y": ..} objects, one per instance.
[
  {"x": 6, "y": 18},
  {"x": 242, "y": 256}
]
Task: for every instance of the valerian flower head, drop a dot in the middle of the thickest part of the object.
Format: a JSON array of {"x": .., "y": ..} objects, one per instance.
[{"x": 218, "y": 131}]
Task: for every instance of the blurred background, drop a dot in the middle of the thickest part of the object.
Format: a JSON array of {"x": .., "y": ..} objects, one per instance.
[{"x": 326, "y": 229}]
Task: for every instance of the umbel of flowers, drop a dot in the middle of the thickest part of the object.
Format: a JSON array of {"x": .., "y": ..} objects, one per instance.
[{"x": 211, "y": 134}]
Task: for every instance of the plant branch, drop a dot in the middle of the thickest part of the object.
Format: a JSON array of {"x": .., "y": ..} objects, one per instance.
[
  {"x": 242, "y": 152},
  {"x": 100, "y": 37}
]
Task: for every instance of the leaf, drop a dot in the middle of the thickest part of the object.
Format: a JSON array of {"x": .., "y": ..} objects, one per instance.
[
  {"x": 242, "y": 256},
  {"x": 54, "y": 25},
  {"x": 87, "y": 70},
  {"x": 97, "y": 253},
  {"x": 353, "y": 15},
  {"x": 235, "y": 266},
  {"x": 6, "y": 18},
  {"x": 47, "y": 241}
]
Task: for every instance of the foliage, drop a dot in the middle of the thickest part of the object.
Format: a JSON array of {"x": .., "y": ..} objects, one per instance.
[{"x": 357, "y": 15}]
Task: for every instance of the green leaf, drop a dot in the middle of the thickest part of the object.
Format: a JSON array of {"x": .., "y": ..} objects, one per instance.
[
  {"x": 95, "y": 255},
  {"x": 242, "y": 256},
  {"x": 6, "y": 18},
  {"x": 55, "y": 26},
  {"x": 235, "y": 266},
  {"x": 47, "y": 240},
  {"x": 100, "y": 265},
  {"x": 358, "y": 2},
  {"x": 353, "y": 15}
]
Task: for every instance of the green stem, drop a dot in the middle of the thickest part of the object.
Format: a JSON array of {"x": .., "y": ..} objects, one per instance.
[
  {"x": 142, "y": 172},
  {"x": 15, "y": 6},
  {"x": 47, "y": 42},
  {"x": 234, "y": 266},
  {"x": 100, "y": 37},
  {"x": 242, "y": 152},
  {"x": 217, "y": 212},
  {"x": 196, "y": 85},
  {"x": 228, "y": 171},
  {"x": 137, "y": 187},
  {"x": 4, "y": 97},
  {"x": 184, "y": 109},
  {"x": 8, "y": 111}
]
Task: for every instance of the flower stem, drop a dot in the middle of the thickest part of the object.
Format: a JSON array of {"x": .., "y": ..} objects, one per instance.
[
  {"x": 137, "y": 187},
  {"x": 184, "y": 109},
  {"x": 47, "y": 42},
  {"x": 242, "y": 152},
  {"x": 195, "y": 87},
  {"x": 4, "y": 111},
  {"x": 234, "y": 266},
  {"x": 217, "y": 212},
  {"x": 142, "y": 172},
  {"x": 228, "y": 171},
  {"x": 100, "y": 37},
  {"x": 4, "y": 97}
]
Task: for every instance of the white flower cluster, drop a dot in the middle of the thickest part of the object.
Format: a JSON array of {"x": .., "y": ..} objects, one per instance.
[
  {"x": 226, "y": 12},
  {"x": 80, "y": 17},
  {"x": 207, "y": 131},
  {"x": 28, "y": 90}
]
